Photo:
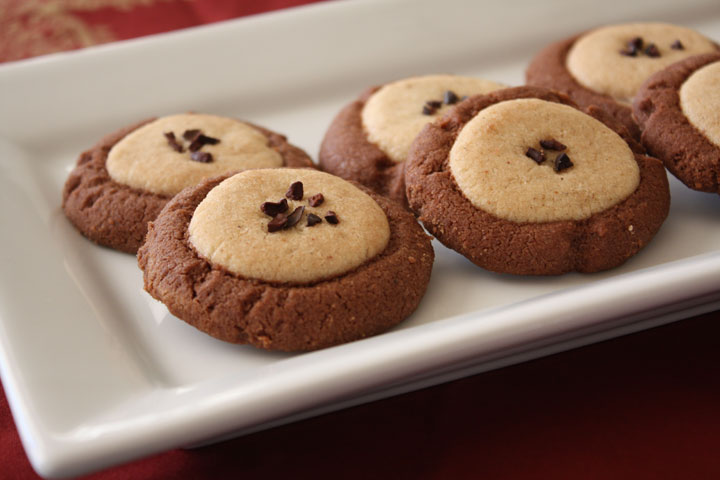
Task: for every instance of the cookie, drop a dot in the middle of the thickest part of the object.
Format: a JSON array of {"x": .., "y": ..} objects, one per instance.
[
  {"x": 606, "y": 66},
  {"x": 677, "y": 109},
  {"x": 369, "y": 139},
  {"x": 521, "y": 181},
  {"x": 123, "y": 182},
  {"x": 286, "y": 259}
]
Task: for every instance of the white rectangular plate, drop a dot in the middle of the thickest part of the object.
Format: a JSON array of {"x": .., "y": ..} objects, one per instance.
[{"x": 98, "y": 373}]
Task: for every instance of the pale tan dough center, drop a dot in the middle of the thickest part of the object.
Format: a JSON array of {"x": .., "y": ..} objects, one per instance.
[
  {"x": 143, "y": 159},
  {"x": 596, "y": 62},
  {"x": 393, "y": 116},
  {"x": 229, "y": 229},
  {"x": 700, "y": 101},
  {"x": 489, "y": 164}
]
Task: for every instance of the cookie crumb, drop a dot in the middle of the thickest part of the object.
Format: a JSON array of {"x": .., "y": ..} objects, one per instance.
[
  {"x": 631, "y": 228},
  {"x": 295, "y": 192},
  {"x": 411, "y": 259}
]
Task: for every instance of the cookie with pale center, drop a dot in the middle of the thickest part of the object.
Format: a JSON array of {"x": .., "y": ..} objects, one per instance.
[
  {"x": 124, "y": 181},
  {"x": 369, "y": 139},
  {"x": 521, "y": 181},
  {"x": 678, "y": 110},
  {"x": 606, "y": 66},
  {"x": 286, "y": 259}
]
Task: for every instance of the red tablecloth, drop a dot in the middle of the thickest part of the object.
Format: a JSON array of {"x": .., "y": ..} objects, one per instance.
[{"x": 642, "y": 406}]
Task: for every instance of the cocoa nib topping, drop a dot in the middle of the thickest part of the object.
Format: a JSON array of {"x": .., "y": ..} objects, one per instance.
[
  {"x": 562, "y": 162},
  {"x": 450, "y": 98},
  {"x": 331, "y": 217},
  {"x": 677, "y": 45},
  {"x": 316, "y": 200},
  {"x": 197, "y": 141},
  {"x": 282, "y": 221},
  {"x": 313, "y": 219},
  {"x": 172, "y": 141},
  {"x": 636, "y": 46},
  {"x": 272, "y": 209},
  {"x": 552, "y": 144},
  {"x": 295, "y": 192},
  {"x": 200, "y": 141},
  {"x": 652, "y": 51},
  {"x": 536, "y": 155},
  {"x": 277, "y": 223},
  {"x": 431, "y": 107},
  {"x": 190, "y": 135},
  {"x": 294, "y": 217},
  {"x": 202, "y": 157}
]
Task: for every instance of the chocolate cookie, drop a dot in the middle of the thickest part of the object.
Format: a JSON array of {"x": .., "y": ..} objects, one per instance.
[
  {"x": 677, "y": 109},
  {"x": 125, "y": 180},
  {"x": 286, "y": 259},
  {"x": 606, "y": 66},
  {"x": 521, "y": 181},
  {"x": 369, "y": 139}
]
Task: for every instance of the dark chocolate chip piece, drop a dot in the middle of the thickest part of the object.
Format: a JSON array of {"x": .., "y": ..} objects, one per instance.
[
  {"x": 562, "y": 162},
  {"x": 191, "y": 134},
  {"x": 652, "y": 51},
  {"x": 172, "y": 141},
  {"x": 200, "y": 140},
  {"x": 331, "y": 217},
  {"x": 427, "y": 110},
  {"x": 536, "y": 155},
  {"x": 434, "y": 103},
  {"x": 272, "y": 209},
  {"x": 277, "y": 223},
  {"x": 677, "y": 45},
  {"x": 202, "y": 157},
  {"x": 552, "y": 144},
  {"x": 294, "y": 217},
  {"x": 313, "y": 219},
  {"x": 295, "y": 192},
  {"x": 450, "y": 98},
  {"x": 316, "y": 200}
]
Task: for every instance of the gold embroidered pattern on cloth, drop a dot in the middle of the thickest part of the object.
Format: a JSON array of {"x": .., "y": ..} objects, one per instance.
[{"x": 35, "y": 27}]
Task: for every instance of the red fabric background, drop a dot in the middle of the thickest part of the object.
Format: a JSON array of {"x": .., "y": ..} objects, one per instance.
[{"x": 642, "y": 406}]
